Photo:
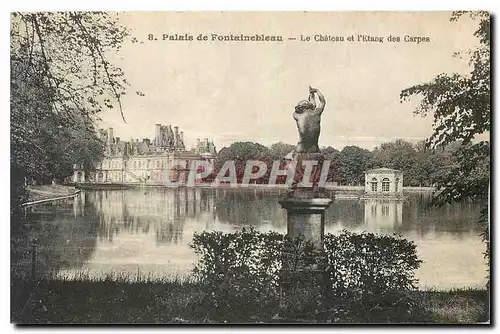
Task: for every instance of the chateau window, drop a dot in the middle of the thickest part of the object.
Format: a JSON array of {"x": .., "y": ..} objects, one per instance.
[
  {"x": 374, "y": 184},
  {"x": 396, "y": 185},
  {"x": 385, "y": 184}
]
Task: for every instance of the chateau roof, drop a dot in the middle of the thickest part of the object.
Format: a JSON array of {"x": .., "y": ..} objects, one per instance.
[
  {"x": 383, "y": 170},
  {"x": 143, "y": 148}
]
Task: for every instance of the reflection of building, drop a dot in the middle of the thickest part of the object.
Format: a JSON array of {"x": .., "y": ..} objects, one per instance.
[
  {"x": 147, "y": 161},
  {"x": 384, "y": 182},
  {"x": 383, "y": 214},
  {"x": 161, "y": 212}
]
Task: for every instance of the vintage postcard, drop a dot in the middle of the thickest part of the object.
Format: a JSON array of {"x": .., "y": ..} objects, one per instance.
[{"x": 250, "y": 167}]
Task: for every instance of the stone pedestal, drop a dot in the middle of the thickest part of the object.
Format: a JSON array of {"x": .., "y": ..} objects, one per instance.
[{"x": 306, "y": 216}]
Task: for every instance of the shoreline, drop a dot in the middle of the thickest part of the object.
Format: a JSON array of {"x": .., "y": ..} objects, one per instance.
[
  {"x": 44, "y": 194},
  {"x": 338, "y": 189}
]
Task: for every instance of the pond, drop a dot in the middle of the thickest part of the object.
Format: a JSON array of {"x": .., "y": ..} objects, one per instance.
[{"x": 148, "y": 231}]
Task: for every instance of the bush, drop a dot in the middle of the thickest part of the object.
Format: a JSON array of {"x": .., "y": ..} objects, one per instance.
[
  {"x": 253, "y": 276},
  {"x": 239, "y": 272},
  {"x": 372, "y": 273}
]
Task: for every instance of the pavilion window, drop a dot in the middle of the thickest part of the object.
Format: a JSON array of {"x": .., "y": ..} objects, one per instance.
[{"x": 385, "y": 184}]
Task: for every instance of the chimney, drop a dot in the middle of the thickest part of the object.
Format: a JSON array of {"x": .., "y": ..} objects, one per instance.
[
  {"x": 205, "y": 146},
  {"x": 181, "y": 136},
  {"x": 158, "y": 134},
  {"x": 176, "y": 136},
  {"x": 117, "y": 140},
  {"x": 110, "y": 136}
]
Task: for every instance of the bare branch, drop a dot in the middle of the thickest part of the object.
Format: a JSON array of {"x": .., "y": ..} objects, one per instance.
[{"x": 104, "y": 62}]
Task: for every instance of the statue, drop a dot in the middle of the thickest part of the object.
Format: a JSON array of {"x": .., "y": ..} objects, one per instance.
[
  {"x": 306, "y": 199},
  {"x": 308, "y": 117}
]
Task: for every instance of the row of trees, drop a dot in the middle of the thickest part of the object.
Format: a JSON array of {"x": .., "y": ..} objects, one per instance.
[
  {"x": 61, "y": 79},
  {"x": 421, "y": 165}
]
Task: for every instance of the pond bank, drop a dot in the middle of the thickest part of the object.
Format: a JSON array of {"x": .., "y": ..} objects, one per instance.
[
  {"x": 174, "y": 301},
  {"x": 341, "y": 192},
  {"x": 47, "y": 193}
]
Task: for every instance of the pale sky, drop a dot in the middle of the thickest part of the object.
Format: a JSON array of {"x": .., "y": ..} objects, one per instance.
[{"x": 246, "y": 91}]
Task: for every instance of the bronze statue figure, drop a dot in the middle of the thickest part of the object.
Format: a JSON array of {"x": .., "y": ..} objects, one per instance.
[{"x": 308, "y": 117}]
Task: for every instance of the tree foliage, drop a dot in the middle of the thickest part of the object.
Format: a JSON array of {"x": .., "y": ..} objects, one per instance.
[
  {"x": 461, "y": 107},
  {"x": 279, "y": 150},
  {"x": 70, "y": 50},
  {"x": 240, "y": 153},
  {"x": 61, "y": 78},
  {"x": 398, "y": 154},
  {"x": 353, "y": 162},
  {"x": 460, "y": 103},
  {"x": 421, "y": 165}
]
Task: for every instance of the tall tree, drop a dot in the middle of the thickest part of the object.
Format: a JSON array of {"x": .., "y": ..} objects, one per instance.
[
  {"x": 353, "y": 161},
  {"x": 331, "y": 154},
  {"x": 240, "y": 153},
  {"x": 279, "y": 150},
  {"x": 461, "y": 107},
  {"x": 399, "y": 154},
  {"x": 426, "y": 163},
  {"x": 61, "y": 78}
]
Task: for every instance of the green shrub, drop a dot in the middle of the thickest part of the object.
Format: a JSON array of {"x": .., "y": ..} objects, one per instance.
[
  {"x": 254, "y": 276},
  {"x": 239, "y": 272},
  {"x": 372, "y": 273}
]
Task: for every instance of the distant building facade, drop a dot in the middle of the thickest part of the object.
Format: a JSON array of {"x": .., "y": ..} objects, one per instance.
[
  {"x": 384, "y": 181},
  {"x": 147, "y": 161}
]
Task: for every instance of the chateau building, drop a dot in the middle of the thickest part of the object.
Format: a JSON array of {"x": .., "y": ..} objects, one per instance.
[{"x": 147, "y": 161}]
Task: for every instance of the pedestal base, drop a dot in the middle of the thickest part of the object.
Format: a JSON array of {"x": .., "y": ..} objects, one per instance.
[{"x": 306, "y": 216}]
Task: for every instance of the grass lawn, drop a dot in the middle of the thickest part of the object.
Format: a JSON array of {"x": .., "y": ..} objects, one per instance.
[{"x": 115, "y": 300}]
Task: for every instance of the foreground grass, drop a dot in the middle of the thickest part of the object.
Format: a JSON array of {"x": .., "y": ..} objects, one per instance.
[
  {"x": 104, "y": 301},
  {"x": 455, "y": 306},
  {"x": 120, "y": 300}
]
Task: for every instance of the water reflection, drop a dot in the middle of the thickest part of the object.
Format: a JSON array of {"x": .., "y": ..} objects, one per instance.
[
  {"x": 383, "y": 214},
  {"x": 63, "y": 234},
  {"x": 150, "y": 230}
]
